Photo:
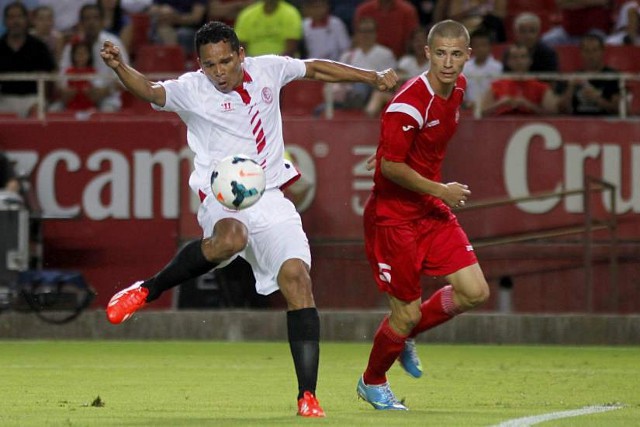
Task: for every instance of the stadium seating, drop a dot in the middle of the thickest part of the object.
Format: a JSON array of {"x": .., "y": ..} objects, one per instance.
[
  {"x": 545, "y": 9},
  {"x": 151, "y": 58},
  {"x": 141, "y": 26},
  {"x": 301, "y": 97},
  {"x": 569, "y": 57},
  {"x": 135, "y": 105},
  {"x": 623, "y": 58}
]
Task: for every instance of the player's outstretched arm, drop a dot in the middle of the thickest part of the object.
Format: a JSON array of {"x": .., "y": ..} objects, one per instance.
[
  {"x": 332, "y": 72},
  {"x": 134, "y": 81}
]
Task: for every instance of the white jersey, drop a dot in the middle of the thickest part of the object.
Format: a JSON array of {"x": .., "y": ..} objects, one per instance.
[{"x": 239, "y": 122}]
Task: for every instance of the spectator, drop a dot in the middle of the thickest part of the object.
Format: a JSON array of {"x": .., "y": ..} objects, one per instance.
[
  {"x": 270, "y": 27},
  {"x": 8, "y": 179},
  {"x": 413, "y": 63},
  {"x": 105, "y": 92},
  {"x": 345, "y": 10},
  {"x": 397, "y": 14},
  {"x": 117, "y": 21},
  {"x": 136, "y": 6},
  {"x": 480, "y": 69},
  {"x": 29, "y": 4},
  {"x": 325, "y": 35},
  {"x": 75, "y": 95},
  {"x": 226, "y": 10},
  {"x": 475, "y": 14},
  {"x": 524, "y": 96},
  {"x": 626, "y": 29},
  {"x": 42, "y": 27},
  {"x": 526, "y": 28},
  {"x": 66, "y": 14},
  {"x": 366, "y": 53},
  {"x": 21, "y": 52},
  {"x": 592, "y": 96},
  {"x": 176, "y": 21},
  {"x": 425, "y": 9},
  {"x": 577, "y": 18}
]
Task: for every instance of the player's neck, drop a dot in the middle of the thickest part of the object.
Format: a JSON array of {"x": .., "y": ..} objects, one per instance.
[{"x": 443, "y": 90}]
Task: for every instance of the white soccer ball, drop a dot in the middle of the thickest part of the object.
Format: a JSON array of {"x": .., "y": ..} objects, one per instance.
[{"x": 238, "y": 182}]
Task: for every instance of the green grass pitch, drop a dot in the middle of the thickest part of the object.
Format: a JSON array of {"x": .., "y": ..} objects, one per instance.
[{"x": 186, "y": 383}]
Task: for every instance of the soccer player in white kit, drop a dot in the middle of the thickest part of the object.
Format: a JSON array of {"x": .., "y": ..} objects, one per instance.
[{"x": 231, "y": 106}]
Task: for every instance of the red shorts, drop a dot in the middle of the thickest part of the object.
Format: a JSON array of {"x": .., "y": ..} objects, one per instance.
[{"x": 399, "y": 254}]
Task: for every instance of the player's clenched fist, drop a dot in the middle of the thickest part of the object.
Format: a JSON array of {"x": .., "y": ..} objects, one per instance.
[
  {"x": 387, "y": 79},
  {"x": 110, "y": 54}
]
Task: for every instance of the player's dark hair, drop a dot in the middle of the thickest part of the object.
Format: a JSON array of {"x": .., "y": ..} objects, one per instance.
[
  {"x": 448, "y": 29},
  {"x": 216, "y": 32}
]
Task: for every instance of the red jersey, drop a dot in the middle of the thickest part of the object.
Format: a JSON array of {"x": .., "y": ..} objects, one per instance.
[
  {"x": 416, "y": 128},
  {"x": 532, "y": 90}
]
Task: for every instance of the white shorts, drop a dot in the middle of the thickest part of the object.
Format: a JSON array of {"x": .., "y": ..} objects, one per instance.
[{"x": 275, "y": 235}]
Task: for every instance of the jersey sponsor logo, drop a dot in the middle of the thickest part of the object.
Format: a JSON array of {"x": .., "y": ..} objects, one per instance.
[
  {"x": 385, "y": 272},
  {"x": 267, "y": 95},
  {"x": 407, "y": 127},
  {"x": 227, "y": 106},
  {"x": 433, "y": 123}
]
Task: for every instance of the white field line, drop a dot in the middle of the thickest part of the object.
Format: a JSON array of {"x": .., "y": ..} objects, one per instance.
[{"x": 536, "y": 419}]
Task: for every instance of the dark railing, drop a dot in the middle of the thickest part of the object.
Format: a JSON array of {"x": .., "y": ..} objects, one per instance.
[{"x": 591, "y": 224}]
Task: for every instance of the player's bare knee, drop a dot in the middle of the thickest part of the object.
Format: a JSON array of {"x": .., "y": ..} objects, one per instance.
[
  {"x": 404, "y": 321},
  {"x": 295, "y": 284},
  {"x": 224, "y": 246},
  {"x": 475, "y": 297}
]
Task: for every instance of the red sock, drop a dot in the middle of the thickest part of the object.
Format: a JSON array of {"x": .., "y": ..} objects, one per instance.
[
  {"x": 436, "y": 310},
  {"x": 387, "y": 346}
]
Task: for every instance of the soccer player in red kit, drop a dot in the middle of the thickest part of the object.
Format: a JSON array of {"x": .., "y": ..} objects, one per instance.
[{"x": 409, "y": 227}]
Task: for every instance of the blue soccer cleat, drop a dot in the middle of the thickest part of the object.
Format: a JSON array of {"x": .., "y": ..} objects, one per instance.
[
  {"x": 379, "y": 396},
  {"x": 409, "y": 359}
]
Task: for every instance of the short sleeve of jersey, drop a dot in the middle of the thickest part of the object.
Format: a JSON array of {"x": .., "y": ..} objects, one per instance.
[
  {"x": 179, "y": 93},
  {"x": 283, "y": 68},
  {"x": 400, "y": 124}
]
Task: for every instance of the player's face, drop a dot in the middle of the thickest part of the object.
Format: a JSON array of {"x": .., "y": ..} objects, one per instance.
[
  {"x": 446, "y": 58},
  {"x": 222, "y": 65}
]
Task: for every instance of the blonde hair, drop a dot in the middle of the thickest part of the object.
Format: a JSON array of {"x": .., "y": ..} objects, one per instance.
[{"x": 448, "y": 29}]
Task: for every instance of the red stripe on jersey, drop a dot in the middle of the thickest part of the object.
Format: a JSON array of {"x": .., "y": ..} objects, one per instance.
[
  {"x": 261, "y": 144},
  {"x": 254, "y": 116},
  {"x": 246, "y": 78},
  {"x": 255, "y": 129},
  {"x": 246, "y": 98},
  {"x": 260, "y": 136}
]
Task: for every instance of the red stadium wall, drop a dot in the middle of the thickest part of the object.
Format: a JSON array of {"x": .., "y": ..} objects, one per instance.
[{"x": 120, "y": 186}]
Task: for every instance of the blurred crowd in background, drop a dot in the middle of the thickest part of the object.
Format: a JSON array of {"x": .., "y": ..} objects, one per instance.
[{"x": 517, "y": 36}]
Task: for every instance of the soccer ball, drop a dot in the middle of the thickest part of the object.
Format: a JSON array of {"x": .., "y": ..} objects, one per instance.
[{"x": 238, "y": 182}]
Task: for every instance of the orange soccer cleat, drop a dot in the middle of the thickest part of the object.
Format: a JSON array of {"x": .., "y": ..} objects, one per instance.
[
  {"x": 126, "y": 302},
  {"x": 308, "y": 406}
]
